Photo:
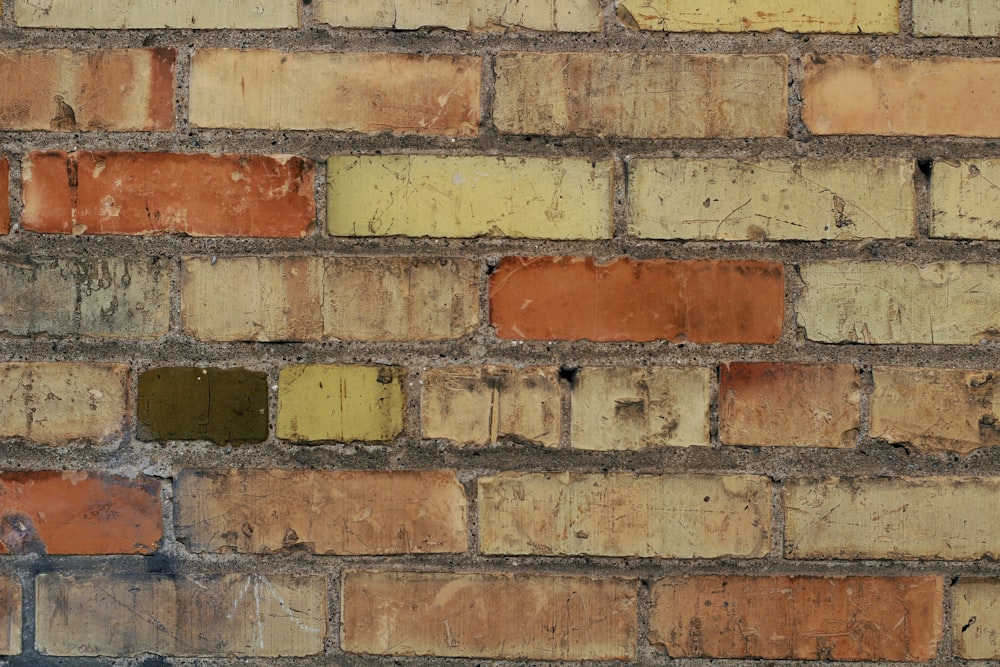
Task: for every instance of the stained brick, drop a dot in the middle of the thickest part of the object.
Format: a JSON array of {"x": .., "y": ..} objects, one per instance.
[
  {"x": 10, "y": 616},
  {"x": 958, "y": 18},
  {"x": 4, "y": 195},
  {"x": 964, "y": 199},
  {"x": 547, "y": 15},
  {"x": 131, "y": 14},
  {"x": 974, "y": 623}
]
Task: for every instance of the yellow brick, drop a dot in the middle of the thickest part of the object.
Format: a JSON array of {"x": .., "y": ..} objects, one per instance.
[
  {"x": 776, "y": 199},
  {"x": 843, "y": 16},
  {"x": 976, "y": 619},
  {"x": 480, "y": 406},
  {"x": 126, "y": 14},
  {"x": 340, "y": 403},
  {"x": 888, "y": 302},
  {"x": 641, "y": 95},
  {"x": 964, "y": 199},
  {"x": 10, "y": 616},
  {"x": 212, "y": 615},
  {"x": 943, "y": 518},
  {"x": 675, "y": 516},
  {"x": 634, "y": 408},
  {"x": 958, "y": 18},
  {"x": 424, "y": 195},
  {"x": 547, "y": 15}
]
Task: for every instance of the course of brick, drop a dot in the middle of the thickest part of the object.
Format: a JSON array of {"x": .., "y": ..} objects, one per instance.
[{"x": 499, "y": 331}]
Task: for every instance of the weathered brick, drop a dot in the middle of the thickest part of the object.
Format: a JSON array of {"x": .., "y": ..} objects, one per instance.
[
  {"x": 958, "y": 18},
  {"x": 340, "y": 403},
  {"x": 430, "y": 195},
  {"x": 55, "y": 512},
  {"x": 890, "y": 302},
  {"x": 633, "y": 408},
  {"x": 489, "y": 615},
  {"x": 546, "y": 15},
  {"x": 964, "y": 199},
  {"x": 641, "y": 95},
  {"x": 802, "y": 618},
  {"x": 790, "y": 405},
  {"x": 57, "y": 403},
  {"x": 975, "y": 621},
  {"x": 10, "y": 616},
  {"x": 105, "y": 89},
  {"x": 4, "y": 195},
  {"x": 773, "y": 199},
  {"x": 221, "y": 405},
  {"x": 131, "y": 14},
  {"x": 355, "y": 92},
  {"x": 851, "y": 94},
  {"x": 348, "y": 513},
  {"x": 151, "y": 193},
  {"x": 615, "y": 514},
  {"x": 701, "y": 301},
  {"x": 206, "y": 615},
  {"x": 938, "y": 518}
]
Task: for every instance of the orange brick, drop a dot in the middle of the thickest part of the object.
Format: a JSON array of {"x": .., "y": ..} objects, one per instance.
[
  {"x": 4, "y": 195},
  {"x": 150, "y": 193},
  {"x": 10, "y": 616}
]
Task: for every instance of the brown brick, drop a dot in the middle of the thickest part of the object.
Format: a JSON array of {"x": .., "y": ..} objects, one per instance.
[
  {"x": 800, "y": 618},
  {"x": 4, "y": 195},
  {"x": 489, "y": 615},
  {"x": 10, "y": 616}
]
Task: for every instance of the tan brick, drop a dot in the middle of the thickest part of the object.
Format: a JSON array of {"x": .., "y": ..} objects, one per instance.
[
  {"x": 353, "y": 92},
  {"x": 975, "y": 621},
  {"x": 345, "y": 513},
  {"x": 937, "y": 518},
  {"x": 479, "y": 406},
  {"x": 890, "y": 302},
  {"x": 131, "y": 14},
  {"x": 845, "y": 16},
  {"x": 547, "y": 15},
  {"x": 10, "y": 616},
  {"x": 207, "y": 615},
  {"x": 964, "y": 199},
  {"x": 957, "y": 18},
  {"x": 775, "y": 199},
  {"x": 489, "y": 615},
  {"x": 4, "y": 194},
  {"x": 634, "y": 408},
  {"x": 641, "y": 95},
  {"x": 615, "y": 514},
  {"x": 460, "y": 197}
]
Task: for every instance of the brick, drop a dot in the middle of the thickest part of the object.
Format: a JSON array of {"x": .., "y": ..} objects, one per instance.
[
  {"x": 956, "y": 18},
  {"x": 351, "y": 92},
  {"x": 634, "y": 408},
  {"x": 947, "y": 303},
  {"x": 340, "y": 403},
  {"x": 700, "y": 301},
  {"x": 56, "y": 512},
  {"x": 851, "y": 94},
  {"x": 846, "y": 16},
  {"x": 774, "y": 199},
  {"x": 10, "y": 616},
  {"x": 616, "y": 514},
  {"x": 964, "y": 199},
  {"x": 802, "y": 618},
  {"x": 132, "y": 14},
  {"x": 641, "y": 95},
  {"x": 58, "y": 403},
  {"x": 489, "y": 615},
  {"x": 206, "y": 615},
  {"x": 462, "y": 197},
  {"x": 789, "y": 405},
  {"x": 221, "y": 405},
  {"x": 481, "y": 406},
  {"x": 89, "y": 192},
  {"x": 68, "y": 91},
  {"x": 974, "y": 622},
  {"x": 934, "y": 518},
  {"x": 544, "y": 15},
  {"x": 4, "y": 195},
  {"x": 344, "y": 513}
]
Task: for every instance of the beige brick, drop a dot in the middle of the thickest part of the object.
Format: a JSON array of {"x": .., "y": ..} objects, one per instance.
[
  {"x": 937, "y": 518},
  {"x": 489, "y": 615},
  {"x": 56, "y": 403},
  {"x": 10, "y": 616},
  {"x": 479, "y": 406},
  {"x": 208, "y": 615},
  {"x": 964, "y": 199},
  {"x": 634, "y": 408},
  {"x": 958, "y": 18},
  {"x": 129, "y": 14},
  {"x": 460, "y": 197},
  {"x": 547, "y": 15},
  {"x": 890, "y": 302},
  {"x": 351, "y": 92},
  {"x": 844, "y": 16},
  {"x": 641, "y": 95},
  {"x": 344, "y": 513},
  {"x": 615, "y": 514},
  {"x": 976, "y": 619},
  {"x": 776, "y": 199}
]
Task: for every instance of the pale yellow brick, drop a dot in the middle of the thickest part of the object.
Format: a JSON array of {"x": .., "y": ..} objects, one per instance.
[
  {"x": 129, "y": 14},
  {"x": 775, "y": 199},
  {"x": 426, "y": 195},
  {"x": 958, "y": 18},
  {"x": 634, "y": 408},
  {"x": 547, "y": 15},
  {"x": 891, "y": 302},
  {"x": 965, "y": 196},
  {"x": 938, "y": 518},
  {"x": 976, "y": 619},
  {"x": 663, "y": 516}
]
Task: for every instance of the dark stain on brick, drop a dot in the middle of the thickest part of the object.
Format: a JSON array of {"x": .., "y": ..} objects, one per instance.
[{"x": 19, "y": 535}]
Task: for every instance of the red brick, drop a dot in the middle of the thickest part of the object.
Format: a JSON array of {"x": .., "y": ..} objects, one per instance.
[
  {"x": 150, "y": 193},
  {"x": 702, "y": 301},
  {"x": 4, "y": 195}
]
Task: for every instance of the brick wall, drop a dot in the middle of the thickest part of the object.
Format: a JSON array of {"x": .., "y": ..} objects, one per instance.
[{"x": 341, "y": 331}]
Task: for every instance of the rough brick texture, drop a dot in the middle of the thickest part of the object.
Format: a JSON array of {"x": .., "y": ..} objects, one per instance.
[
  {"x": 4, "y": 194},
  {"x": 548, "y": 15},
  {"x": 976, "y": 630},
  {"x": 130, "y": 14},
  {"x": 10, "y": 616}
]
